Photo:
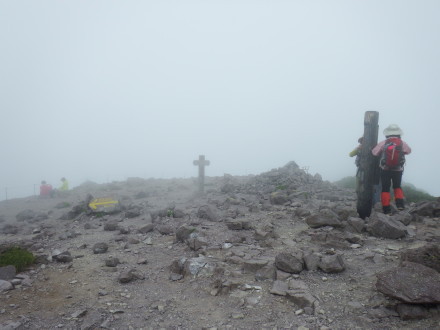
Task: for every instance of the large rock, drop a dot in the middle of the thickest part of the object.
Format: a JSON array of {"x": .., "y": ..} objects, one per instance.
[
  {"x": 332, "y": 264},
  {"x": 411, "y": 283},
  {"x": 427, "y": 209},
  {"x": 290, "y": 262},
  {"x": 428, "y": 255},
  {"x": 205, "y": 212},
  {"x": 25, "y": 215},
  {"x": 324, "y": 218},
  {"x": 382, "y": 225},
  {"x": 7, "y": 272}
]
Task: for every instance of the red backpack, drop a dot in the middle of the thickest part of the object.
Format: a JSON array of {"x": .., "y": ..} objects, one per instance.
[{"x": 392, "y": 154}]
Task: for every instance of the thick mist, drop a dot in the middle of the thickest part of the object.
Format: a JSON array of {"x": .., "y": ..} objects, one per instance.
[{"x": 107, "y": 90}]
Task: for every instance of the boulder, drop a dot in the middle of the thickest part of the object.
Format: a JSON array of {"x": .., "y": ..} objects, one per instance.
[
  {"x": 411, "y": 283},
  {"x": 382, "y": 225},
  {"x": 428, "y": 255},
  {"x": 323, "y": 218},
  {"x": 332, "y": 264},
  {"x": 290, "y": 262}
]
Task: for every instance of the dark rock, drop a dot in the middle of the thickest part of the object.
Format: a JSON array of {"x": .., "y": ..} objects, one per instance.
[
  {"x": 332, "y": 264},
  {"x": 427, "y": 209},
  {"x": 279, "y": 288},
  {"x": 165, "y": 229},
  {"x": 146, "y": 229},
  {"x": 99, "y": 248},
  {"x": 356, "y": 224},
  {"x": 278, "y": 198},
  {"x": 252, "y": 265},
  {"x": 311, "y": 261},
  {"x": 112, "y": 262},
  {"x": 63, "y": 257},
  {"x": 268, "y": 272},
  {"x": 9, "y": 229},
  {"x": 133, "y": 213},
  {"x": 323, "y": 218},
  {"x": 403, "y": 217},
  {"x": 178, "y": 214},
  {"x": 111, "y": 226},
  {"x": 412, "y": 312},
  {"x": 290, "y": 262},
  {"x": 411, "y": 283},
  {"x": 381, "y": 225},
  {"x": 130, "y": 275},
  {"x": 183, "y": 233},
  {"x": 195, "y": 242},
  {"x": 428, "y": 255},
  {"x": 25, "y": 215},
  {"x": 7, "y": 272},
  {"x": 205, "y": 212}
]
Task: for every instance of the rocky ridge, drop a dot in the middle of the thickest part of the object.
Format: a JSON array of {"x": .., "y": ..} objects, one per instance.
[{"x": 283, "y": 249}]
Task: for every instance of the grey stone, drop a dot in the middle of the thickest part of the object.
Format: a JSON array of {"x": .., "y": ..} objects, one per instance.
[
  {"x": 278, "y": 198},
  {"x": 268, "y": 272},
  {"x": 196, "y": 243},
  {"x": 324, "y": 218},
  {"x": 111, "y": 226},
  {"x": 411, "y": 283},
  {"x": 99, "y": 248},
  {"x": 112, "y": 262},
  {"x": 252, "y": 265},
  {"x": 279, "y": 288},
  {"x": 290, "y": 262},
  {"x": 206, "y": 212},
  {"x": 428, "y": 255},
  {"x": 5, "y": 286},
  {"x": 146, "y": 229},
  {"x": 357, "y": 224},
  {"x": 412, "y": 312},
  {"x": 26, "y": 215},
  {"x": 64, "y": 256},
  {"x": 381, "y": 225},
  {"x": 132, "y": 213},
  {"x": 130, "y": 275},
  {"x": 184, "y": 232},
  {"x": 311, "y": 261},
  {"x": 7, "y": 272},
  {"x": 332, "y": 264},
  {"x": 403, "y": 217}
]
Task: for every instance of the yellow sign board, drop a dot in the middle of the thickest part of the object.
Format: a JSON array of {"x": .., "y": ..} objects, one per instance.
[{"x": 103, "y": 204}]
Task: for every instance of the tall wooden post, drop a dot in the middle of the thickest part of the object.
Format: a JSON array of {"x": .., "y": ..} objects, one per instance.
[{"x": 201, "y": 162}]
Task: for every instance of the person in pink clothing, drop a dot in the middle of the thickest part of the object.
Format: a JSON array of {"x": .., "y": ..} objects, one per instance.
[{"x": 392, "y": 174}]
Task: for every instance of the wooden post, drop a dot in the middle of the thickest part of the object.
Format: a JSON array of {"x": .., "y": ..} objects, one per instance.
[{"x": 201, "y": 162}]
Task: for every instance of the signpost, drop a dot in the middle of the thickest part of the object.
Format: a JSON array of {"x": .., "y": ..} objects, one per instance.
[
  {"x": 106, "y": 204},
  {"x": 201, "y": 162}
]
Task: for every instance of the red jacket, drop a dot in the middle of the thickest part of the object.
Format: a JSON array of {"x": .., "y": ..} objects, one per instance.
[
  {"x": 45, "y": 190},
  {"x": 377, "y": 150}
]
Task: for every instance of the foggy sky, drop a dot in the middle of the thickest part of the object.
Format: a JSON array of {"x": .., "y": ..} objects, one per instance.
[{"x": 106, "y": 90}]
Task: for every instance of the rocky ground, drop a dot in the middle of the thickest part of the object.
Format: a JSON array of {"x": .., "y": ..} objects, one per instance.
[{"x": 279, "y": 250}]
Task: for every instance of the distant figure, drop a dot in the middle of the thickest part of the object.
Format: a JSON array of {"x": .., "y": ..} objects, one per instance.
[
  {"x": 64, "y": 184},
  {"x": 46, "y": 189},
  {"x": 392, "y": 153},
  {"x": 357, "y": 151}
]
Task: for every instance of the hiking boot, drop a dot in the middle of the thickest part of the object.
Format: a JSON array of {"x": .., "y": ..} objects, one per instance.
[
  {"x": 400, "y": 204},
  {"x": 386, "y": 209}
]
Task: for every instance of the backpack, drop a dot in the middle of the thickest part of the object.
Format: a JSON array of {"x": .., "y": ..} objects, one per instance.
[{"x": 393, "y": 156}]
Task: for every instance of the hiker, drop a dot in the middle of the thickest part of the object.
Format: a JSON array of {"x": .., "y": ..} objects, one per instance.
[
  {"x": 357, "y": 151},
  {"x": 392, "y": 153},
  {"x": 46, "y": 189},
  {"x": 64, "y": 185}
]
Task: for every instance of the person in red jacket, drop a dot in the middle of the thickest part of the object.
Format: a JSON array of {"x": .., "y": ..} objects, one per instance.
[
  {"x": 391, "y": 173},
  {"x": 46, "y": 189}
]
